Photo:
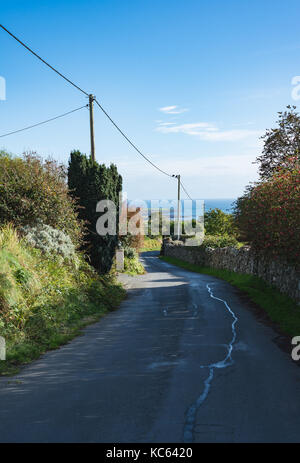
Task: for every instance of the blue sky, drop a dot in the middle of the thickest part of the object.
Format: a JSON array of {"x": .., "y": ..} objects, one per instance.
[{"x": 194, "y": 84}]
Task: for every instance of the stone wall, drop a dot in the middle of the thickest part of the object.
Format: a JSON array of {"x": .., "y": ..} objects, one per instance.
[{"x": 244, "y": 260}]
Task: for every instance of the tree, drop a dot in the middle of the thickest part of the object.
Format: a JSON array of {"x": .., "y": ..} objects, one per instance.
[
  {"x": 281, "y": 145},
  {"x": 268, "y": 215},
  {"x": 217, "y": 222},
  {"x": 90, "y": 183}
]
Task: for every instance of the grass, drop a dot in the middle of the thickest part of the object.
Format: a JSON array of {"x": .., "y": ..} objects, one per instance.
[
  {"x": 45, "y": 301},
  {"x": 151, "y": 244},
  {"x": 281, "y": 309},
  {"x": 133, "y": 266}
]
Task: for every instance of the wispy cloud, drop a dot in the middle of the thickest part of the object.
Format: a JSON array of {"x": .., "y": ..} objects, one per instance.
[
  {"x": 208, "y": 132},
  {"x": 173, "y": 110},
  {"x": 166, "y": 124}
]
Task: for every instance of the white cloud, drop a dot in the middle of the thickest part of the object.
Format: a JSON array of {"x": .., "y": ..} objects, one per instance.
[
  {"x": 173, "y": 110},
  {"x": 163, "y": 124},
  {"x": 208, "y": 132},
  {"x": 229, "y": 135},
  {"x": 189, "y": 129}
]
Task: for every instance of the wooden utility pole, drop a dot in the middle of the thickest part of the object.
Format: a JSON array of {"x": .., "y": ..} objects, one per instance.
[
  {"x": 91, "y": 106},
  {"x": 178, "y": 209}
]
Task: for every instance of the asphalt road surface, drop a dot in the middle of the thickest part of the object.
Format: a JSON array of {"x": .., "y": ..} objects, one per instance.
[{"x": 183, "y": 360}]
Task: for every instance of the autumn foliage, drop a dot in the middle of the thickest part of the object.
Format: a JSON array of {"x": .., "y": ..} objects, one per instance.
[{"x": 268, "y": 215}]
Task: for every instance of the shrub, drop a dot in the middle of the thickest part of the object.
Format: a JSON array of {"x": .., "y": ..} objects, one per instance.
[
  {"x": 268, "y": 215},
  {"x": 89, "y": 183},
  {"x": 217, "y": 222},
  {"x": 50, "y": 241},
  {"x": 219, "y": 241},
  {"x": 133, "y": 266},
  {"x": 130, "y": 253},
  {"x": 33, "y": 190}
]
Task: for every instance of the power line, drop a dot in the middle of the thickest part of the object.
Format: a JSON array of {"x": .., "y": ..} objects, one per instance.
[
  {"x": 87, "y": 94},
  {"x": 129, "y": 141},
  {"x": 41, "y": 59},
  {"x": 44, "y": 122},
  {"x": 184, "y": 189}
]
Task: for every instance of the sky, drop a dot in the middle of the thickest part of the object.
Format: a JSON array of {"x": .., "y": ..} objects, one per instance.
[{"x": 194, "y": 84}]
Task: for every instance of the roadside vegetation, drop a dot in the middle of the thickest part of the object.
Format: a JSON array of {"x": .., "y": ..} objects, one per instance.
[
  {"x": 268, "y": 214},
  {"x": 220, "y": 241},
  {"x": 48, "y": 289},
  {"x": 151, "y": 244},
  {"x": 45, "y": 297},
  {"x": 132, "y": 264}
]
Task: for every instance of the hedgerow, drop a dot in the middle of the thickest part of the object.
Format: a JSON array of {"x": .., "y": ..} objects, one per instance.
[
  {"x": 33, "y": 190},
  {"x": 268, "y": 215}
]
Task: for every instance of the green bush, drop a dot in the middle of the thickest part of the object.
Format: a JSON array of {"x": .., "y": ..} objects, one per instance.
[
  {"x": 133, "y": 266},
  {"x": 217, "y": 222},
  {"x": 33, "y": 190},
  {"x": 129, "y": 252},
  {"x": 220, "y": 241},
  {"x": 89, "y": 183},
  {"x": 50, "y": 241}
]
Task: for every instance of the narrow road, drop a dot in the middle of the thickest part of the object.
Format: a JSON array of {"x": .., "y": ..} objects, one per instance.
[{"x": 183, "y": 360}]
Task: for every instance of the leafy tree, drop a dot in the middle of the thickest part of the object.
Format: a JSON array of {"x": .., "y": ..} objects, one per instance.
[
  {"x": 281, "y": 145},
  {"x": 217, "y": 222},
  {"x": 90, "y": 183}
]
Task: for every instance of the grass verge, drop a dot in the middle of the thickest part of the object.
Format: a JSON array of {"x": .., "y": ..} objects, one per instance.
[
  {"x": 45, "y": 301},
  {"x": 133, "y": 266},
  {"x": 151, "y": 244},
  {"x": 281, "y": 309}
]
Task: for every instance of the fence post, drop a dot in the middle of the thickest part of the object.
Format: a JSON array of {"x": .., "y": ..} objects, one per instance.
[
  {"x": 120, "y": 260},
  {"x": 2, "y": 349}
]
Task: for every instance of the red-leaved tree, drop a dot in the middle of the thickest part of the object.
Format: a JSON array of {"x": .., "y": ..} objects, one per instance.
[{"x": 268, "y": 215}]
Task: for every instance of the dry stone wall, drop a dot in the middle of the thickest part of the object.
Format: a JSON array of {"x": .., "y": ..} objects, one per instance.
[{"x": 244, "y": 260}]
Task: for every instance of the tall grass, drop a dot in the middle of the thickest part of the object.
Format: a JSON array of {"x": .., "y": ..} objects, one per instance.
[
  {"x": 45, "y": 300},
  {"x": 151, "y": 244}
]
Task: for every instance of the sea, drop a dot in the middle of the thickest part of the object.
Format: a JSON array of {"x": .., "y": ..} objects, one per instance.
[
  {"x": 226, "y": 205},
  {"x": 192, "y": 208}
]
